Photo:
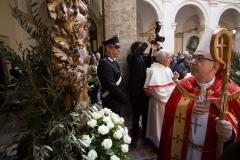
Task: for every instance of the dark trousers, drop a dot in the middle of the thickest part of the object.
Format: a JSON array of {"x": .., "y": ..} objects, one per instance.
[
  {"x": 94, "y": 93},
  {"x": 139, "y": 107}
]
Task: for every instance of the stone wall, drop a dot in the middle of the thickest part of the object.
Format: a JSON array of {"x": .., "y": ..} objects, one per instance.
[{"x": 120, "y": 18}]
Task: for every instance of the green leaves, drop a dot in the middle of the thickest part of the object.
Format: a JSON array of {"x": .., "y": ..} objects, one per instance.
[
  {"x": 235, "y": 68},
  {"x": 49, "y": 127}
]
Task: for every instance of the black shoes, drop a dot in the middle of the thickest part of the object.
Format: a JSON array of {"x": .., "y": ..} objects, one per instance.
[
  {"x": 155, "y": 149},
  {"x": 147, "y": 141}
]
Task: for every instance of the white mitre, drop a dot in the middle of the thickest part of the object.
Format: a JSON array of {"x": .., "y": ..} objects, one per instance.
[{"x": 204, "y": 44}]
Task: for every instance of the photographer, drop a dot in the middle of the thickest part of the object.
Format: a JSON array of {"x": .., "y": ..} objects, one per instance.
[{"x": 138, "y": 99}]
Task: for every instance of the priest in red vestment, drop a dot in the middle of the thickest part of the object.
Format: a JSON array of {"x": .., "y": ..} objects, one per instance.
[{"x": 191, "y": 124}]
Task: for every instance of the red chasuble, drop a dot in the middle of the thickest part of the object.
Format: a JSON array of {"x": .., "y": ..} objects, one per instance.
[{"x": 177, "y": 119}]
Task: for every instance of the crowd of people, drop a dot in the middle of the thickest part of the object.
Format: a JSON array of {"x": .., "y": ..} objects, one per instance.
[{"x": 176, "y": 96}]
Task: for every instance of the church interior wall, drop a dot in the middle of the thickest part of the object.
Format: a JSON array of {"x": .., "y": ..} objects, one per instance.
[
  {"x": 43, "y": 13},
  {"x": 10, "y": 29},
  {"x": 178, "y": 43},
  {"x": 94, "y": 9}
]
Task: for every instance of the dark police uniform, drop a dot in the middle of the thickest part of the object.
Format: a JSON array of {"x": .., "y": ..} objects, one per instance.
[{"x": 113, "y": 89}]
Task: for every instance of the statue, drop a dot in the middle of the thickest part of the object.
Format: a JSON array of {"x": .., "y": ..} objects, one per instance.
[{"x": 69, "y": 57}]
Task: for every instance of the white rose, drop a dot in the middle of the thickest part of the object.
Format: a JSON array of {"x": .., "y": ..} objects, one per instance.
[
  {"x": 106, "y": 119},
  {"x": 92, "y": 123},
  {"x": 116, "y": 120},
  {"x": 86, "y": 141},
  {"x": 114, "y": 157},
  {"x": 95, "y": 108},
  {"x": 117, "y": 134},
  {"x": 101, "y": 112},
  {"x": 107, "y": 111},
  {"x": 125, "y": 132},
  {"x": 103, "y": 129},
  {"x": 95, "y": 115},
  {"x": 92, "y": 154},
  {"x": 107, "y": 143},
  {"x": 110, "y": 125},
  {"x": 121, "y": 120},
  {"x": 124, "y": 148},
  {"x": 121, "y": 129},
  {"x": 127, "y": 139},
  {"x": 113, "y": 115}
]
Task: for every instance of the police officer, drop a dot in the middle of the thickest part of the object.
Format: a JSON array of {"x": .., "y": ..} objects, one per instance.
[{"x": 113, "y": 89}]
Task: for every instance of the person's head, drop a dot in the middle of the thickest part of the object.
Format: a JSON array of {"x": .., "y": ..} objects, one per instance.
[
  {"x": 112, "y": 46},
  {"x": 164, "y": 57},
  {"x": 179, "y": 54},
  {"x": 13, "y": 65},
  {"x": 93, "y": 59},
  {"x": 98, "y": 56},
  {"x": 187, "y": 57},
  {"x": 135, "y": 45},
  {"x": 185, "y": 53},
  {"x": 203, "y": 67}
]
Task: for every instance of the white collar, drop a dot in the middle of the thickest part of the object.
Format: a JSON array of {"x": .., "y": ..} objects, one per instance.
[
  {"x": 204, "y": 86},
  {"x": 111, "y": 59}
]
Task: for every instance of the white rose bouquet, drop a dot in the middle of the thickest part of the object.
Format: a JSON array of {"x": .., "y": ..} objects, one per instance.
[{"x": 105, "y": 136}]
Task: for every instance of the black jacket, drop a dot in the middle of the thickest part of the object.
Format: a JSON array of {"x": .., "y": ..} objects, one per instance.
[
  {"x": 137, "y": 70},
  {"x": 109, "y": 73}
]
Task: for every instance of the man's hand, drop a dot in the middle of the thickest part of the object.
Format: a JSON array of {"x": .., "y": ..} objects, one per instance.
[
  {"x": 175, "y": 76},
  {"x": 223, "y": 128},
  {"x": 158, "y": 45},
  {"x": 200, "y": 107}
]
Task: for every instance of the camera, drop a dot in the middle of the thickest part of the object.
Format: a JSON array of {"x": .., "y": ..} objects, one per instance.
[{"x": 157, "y": 30}]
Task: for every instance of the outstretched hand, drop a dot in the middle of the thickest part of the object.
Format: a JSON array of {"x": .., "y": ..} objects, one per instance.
[{"x": 175, "y": 76}]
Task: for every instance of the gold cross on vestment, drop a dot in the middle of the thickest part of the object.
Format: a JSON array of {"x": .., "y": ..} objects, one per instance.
[{"x": 195, "y": 125}]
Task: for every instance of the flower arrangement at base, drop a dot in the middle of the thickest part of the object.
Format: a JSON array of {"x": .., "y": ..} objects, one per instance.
[{"x": 105, "y": 136}]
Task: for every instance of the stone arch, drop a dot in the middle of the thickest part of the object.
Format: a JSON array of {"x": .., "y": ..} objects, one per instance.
[
  {"x": 199, "y": 8},
  {"x": 154, "y": 13},
  {"x": 236, "y": 12},
  {"x": 156, "y": 8},
  {"x": 97, "y": 22}
]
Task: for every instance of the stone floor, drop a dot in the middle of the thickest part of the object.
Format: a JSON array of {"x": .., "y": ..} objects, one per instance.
[{"x": 8, "y": 129}]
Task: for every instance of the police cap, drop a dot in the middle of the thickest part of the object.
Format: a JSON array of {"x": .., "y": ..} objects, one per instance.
[{"x": 114, "y": 40}]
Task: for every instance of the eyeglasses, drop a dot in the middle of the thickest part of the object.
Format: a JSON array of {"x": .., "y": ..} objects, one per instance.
[
  {"x": 200, "y": 58},
  {"x": 116, "y": 47}
]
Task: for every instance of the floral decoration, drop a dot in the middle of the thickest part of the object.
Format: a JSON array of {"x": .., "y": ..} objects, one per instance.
[{"x": 105, "y": 136}]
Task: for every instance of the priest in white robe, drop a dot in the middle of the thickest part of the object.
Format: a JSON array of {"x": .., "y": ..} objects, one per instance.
[{"x": 159, "y": 85}]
